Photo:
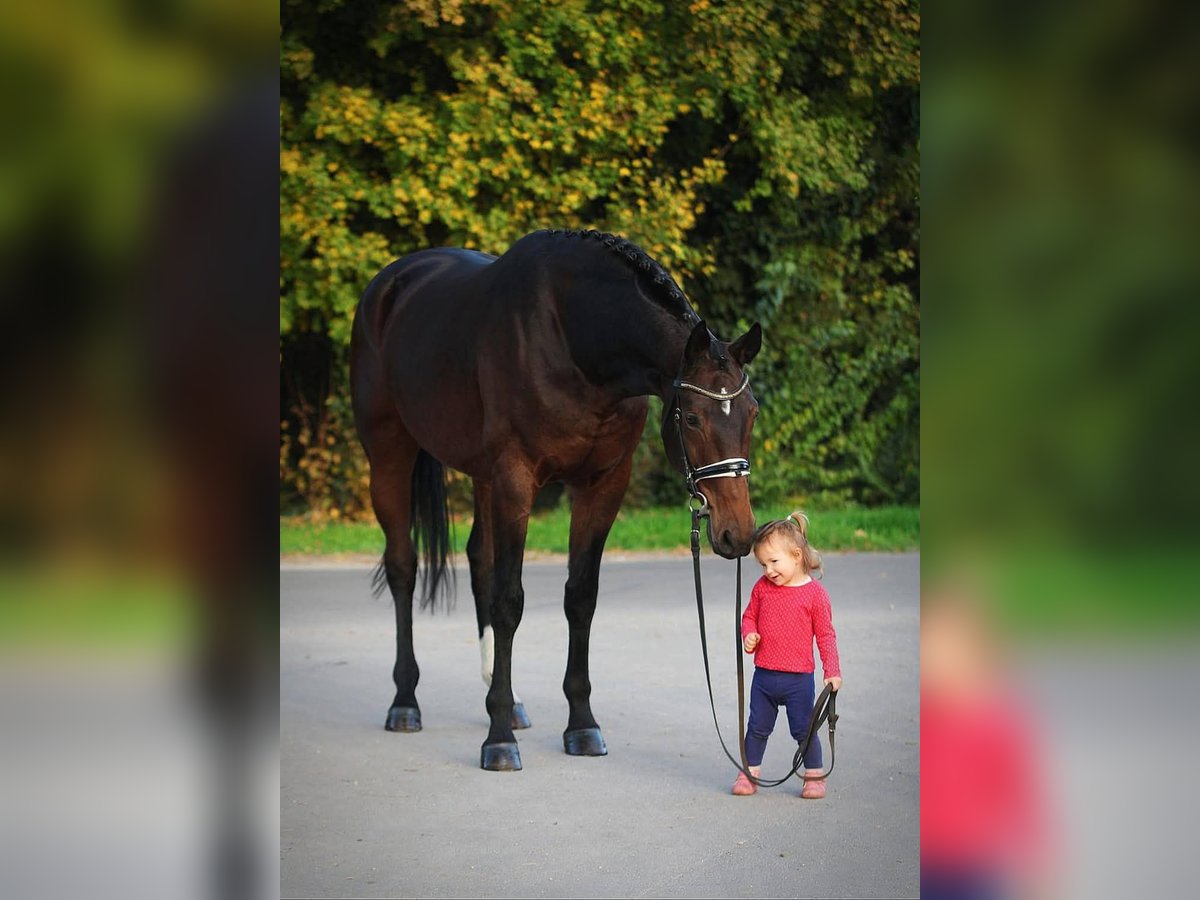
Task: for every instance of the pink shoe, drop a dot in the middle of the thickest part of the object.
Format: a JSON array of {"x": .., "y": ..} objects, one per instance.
[
  {"x": 743, "y": 786},
  {"x": 814, "y": 790}
]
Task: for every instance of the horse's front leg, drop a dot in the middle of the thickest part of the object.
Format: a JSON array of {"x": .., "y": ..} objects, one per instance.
[
  {"x": 593, "y": 510},
  {"x": 512, "y": 498}
]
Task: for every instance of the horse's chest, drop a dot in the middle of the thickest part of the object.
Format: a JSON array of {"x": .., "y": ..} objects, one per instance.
[{"x": 581, "y": 446}]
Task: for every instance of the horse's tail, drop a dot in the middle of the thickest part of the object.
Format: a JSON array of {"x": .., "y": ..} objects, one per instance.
[{"x": 431, "y": 530}]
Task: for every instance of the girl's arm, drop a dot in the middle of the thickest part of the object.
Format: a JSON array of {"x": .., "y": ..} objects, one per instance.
[
  {"x": 822, "y": 619},
  {"x": 750, "y": 616}
]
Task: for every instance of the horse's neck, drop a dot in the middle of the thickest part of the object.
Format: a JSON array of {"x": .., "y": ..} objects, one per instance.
[{"x": 632, "y": 351}]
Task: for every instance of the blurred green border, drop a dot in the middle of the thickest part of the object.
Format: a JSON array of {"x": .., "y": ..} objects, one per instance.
[{"x": 94, "y": 610}]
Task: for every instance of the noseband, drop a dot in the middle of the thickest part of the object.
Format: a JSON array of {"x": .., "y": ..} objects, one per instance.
[{"x": 734, "y": 467}]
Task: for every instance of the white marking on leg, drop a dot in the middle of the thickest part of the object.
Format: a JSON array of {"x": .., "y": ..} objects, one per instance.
[
  {"x": 487, "y": 654},
  {"x": 487, "y": 657}
]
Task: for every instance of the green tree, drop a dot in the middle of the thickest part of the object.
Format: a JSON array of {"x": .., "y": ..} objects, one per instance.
[{"x": 764, "y": 153}]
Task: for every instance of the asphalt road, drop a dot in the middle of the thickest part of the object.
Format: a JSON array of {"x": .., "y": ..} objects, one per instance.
[{"x": 370, "y": 813}]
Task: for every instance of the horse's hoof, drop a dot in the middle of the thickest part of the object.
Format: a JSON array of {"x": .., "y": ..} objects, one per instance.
[
  {"x": 500, "y": 757},
  {"x": 403, "y": 718},
  {"x": 584, "y": 742},
  {"x": 520, "y": 718}
]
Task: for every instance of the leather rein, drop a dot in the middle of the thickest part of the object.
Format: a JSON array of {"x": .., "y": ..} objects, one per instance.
[{"x": 825, "y": 709}]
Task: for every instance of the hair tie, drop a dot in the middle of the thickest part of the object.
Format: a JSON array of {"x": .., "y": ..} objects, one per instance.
[{"x": 792, "y": 516}]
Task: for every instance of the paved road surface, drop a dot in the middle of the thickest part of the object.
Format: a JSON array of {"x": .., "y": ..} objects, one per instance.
[{"x": 369, "y": 813}]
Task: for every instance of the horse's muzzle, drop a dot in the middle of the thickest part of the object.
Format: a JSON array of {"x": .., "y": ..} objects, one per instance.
[{"x": 726, "y": 545}]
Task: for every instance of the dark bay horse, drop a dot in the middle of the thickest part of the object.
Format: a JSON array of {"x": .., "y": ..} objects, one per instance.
[{"x": 520, "y": 370}]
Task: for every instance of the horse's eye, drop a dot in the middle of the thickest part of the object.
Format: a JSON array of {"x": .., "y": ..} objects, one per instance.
[{"x": 693, "y": 419}]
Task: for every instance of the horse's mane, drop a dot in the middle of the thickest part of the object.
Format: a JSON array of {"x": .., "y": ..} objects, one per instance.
[{"x": 639, "y": 260}]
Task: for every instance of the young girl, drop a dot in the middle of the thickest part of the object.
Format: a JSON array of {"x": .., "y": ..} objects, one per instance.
[{"x": 787, "y": 610}]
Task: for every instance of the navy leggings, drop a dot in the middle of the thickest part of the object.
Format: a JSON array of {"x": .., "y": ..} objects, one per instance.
[{"x": 768, "y": 691}]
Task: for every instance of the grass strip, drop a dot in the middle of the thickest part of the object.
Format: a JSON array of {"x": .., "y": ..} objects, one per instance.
[{"x": 887, "y": 529}]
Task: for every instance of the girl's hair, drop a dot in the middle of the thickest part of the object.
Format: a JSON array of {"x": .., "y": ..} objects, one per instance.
[{"x": 792, "y": 531}]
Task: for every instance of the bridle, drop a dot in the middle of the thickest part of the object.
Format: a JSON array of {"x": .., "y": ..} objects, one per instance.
[
  {"x": 825, "y": 709},
  {"x": 734, "y": 467}
]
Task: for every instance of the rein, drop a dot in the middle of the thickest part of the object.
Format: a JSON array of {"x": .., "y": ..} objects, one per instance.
[{"x": 825, "y": 708}]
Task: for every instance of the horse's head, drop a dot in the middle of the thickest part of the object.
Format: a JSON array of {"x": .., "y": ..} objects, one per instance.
[{"x": 706, "y": 433}]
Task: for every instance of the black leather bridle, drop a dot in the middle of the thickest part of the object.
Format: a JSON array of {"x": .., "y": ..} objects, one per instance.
[{"x": 734, "y": 467}]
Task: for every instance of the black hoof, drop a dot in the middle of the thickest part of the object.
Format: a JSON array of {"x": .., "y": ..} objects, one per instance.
[
  {"x": 520, "y": 719},
  {"x": 403, "y": 718},
  {"x": 500, "y": 757},
  {"x": 584, "y": 742}
]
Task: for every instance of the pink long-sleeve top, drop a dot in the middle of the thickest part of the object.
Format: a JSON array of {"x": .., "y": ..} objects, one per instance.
[{"x": 788, "y": 619}]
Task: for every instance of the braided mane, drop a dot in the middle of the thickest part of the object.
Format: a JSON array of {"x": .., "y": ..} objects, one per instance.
[{"x": 637, "y": 259}]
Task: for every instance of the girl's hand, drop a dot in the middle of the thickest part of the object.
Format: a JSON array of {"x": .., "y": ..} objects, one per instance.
[
  {"x": 750, "y": 641},
  {"x": 835, "y": 682}
]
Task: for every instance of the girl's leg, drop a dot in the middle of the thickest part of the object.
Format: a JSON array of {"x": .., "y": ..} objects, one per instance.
[
  {"x": 799, "y": 702},
  {"x": 764, "y": 709}
]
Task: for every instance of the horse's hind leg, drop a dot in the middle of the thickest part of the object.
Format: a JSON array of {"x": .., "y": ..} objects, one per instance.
[
  {"x": 480, "y": 556},
  {"x": 593, "y": 510},
  {"x": 392, "y": 456}
]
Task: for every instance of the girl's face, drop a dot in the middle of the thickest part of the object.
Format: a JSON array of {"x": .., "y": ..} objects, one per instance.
[{"x": 780, "y": 561}]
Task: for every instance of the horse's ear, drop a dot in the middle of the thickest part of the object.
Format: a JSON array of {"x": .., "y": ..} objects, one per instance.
[
  {"x": 747, "y": 346},
  {"x": 699, "y": 342}
]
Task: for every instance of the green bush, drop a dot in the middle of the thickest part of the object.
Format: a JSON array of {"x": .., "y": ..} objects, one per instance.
[{"x": 769, "y": 162}]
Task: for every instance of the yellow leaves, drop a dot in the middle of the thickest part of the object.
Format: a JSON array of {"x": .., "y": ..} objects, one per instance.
[
  {"x": 474, "y": 74},
  {"x": 289, "y": 161},
  {"x": 299, "y": 62},
  {"x": 391, "y": 121},
  {"x": 433, "y": 13}
]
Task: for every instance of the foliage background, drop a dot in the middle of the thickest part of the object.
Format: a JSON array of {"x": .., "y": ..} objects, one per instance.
[{"x": 766, "y": 154}]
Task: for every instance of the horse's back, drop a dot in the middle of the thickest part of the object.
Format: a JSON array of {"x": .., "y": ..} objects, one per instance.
[
  {"x": 431, "y": 280},
  {"x": 458, "y": 289}
]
